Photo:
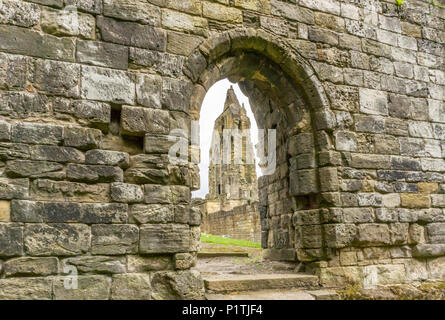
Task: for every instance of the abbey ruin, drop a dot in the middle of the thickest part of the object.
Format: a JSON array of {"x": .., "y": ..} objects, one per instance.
[
  {"x": 94, "y": 94},
  {"x": 231, "y": 206}
]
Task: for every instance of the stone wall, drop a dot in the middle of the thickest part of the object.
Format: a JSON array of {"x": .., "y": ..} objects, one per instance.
[
  {"x": 89, "y": 98},
  {"x": 241, "y": 222}
]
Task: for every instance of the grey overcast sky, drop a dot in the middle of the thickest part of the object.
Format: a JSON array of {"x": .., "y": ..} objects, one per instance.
[{"x": 212, "y": 107}]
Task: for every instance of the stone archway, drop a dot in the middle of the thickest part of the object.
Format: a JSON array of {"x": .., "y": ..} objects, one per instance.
[{"x": 286, "y": 95}]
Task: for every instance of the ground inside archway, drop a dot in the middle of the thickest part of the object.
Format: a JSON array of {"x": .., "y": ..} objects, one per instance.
[{"x": 241, "y": 273}]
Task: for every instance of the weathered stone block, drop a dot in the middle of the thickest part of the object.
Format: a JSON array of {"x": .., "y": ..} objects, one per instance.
[
  {"x": 5, "y": 211},
  {"x": 373, "y": 234},
  {"x": 34, "y": 169},
  {"x": 14, "y": 188},
  {"x": 109, "y": 158},
  {"x": 328, "y": 179},
  {"x": 114, "y": 239},
  {"x": 96, "y": 264},
  {"x": 436, "y": 232},
  {"x": 27, "y": 42},
  {"x": 373, "y": 102},
  {"x": 82, "y": 138},
  {"x": 128, "y": 193},
  {"x": 26, "y": 289},
  {"x": 340, "y": 235},
  {"x": 177, "y": 285},
  {"x": 184, "y": 261},
  {"x": 11, "y": 239},
  {"x": 140, "y": 176},
  {"x": 149, "y": 263},
  {"x": 59, "y": 78},
  {"x": 19, "y": 13},
  {"x": 132, "y": 286},
  {"x": 165, "y": 64},
  {"x": 88, "y": 288},
  {"x": 132, "y": 34},
  {"x": 64, "y": 212},
  {"x": 164, "y": 238},
  {"x": 358, "y": 215},
  {"x": 148, "y": 91},
  {"x": 139, "y": 10},
  {"x": 27, "y": 266},
  {"x": 153, "y": 213},
  {"x": 428, "y": 250},
  {"x": 415, "y": 200},
  {"x": 56, "y": 153},
  {"x": 43, "y": 189},
  {"x": 139, "y": 121},
  {"x": 67, "y": 22},
  {"x": 56, "y": 239},
  {"x": 37, "y": 133},
  {"x": 107, "y": 85},
  {"x": 94, "y": 173}
]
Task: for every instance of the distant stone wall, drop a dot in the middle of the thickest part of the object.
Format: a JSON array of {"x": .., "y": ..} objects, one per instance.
[{"x": 242, "y": 222}]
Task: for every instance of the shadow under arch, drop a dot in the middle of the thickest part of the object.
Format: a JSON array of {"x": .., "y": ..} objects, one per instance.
[{"x": 285, "y": 95}]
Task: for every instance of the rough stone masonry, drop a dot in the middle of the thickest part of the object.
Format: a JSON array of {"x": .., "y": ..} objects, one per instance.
[{"x": 92, "y": 90}]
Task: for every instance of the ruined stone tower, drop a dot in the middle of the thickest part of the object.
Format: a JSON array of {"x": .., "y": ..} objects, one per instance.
[{"x": 232, "y": 178}]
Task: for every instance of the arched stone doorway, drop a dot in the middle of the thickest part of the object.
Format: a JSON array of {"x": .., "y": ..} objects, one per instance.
[{"x": 285, "y": 95}]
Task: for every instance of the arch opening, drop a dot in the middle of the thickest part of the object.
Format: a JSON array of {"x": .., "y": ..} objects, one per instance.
[{"x": 289, "y": 199}]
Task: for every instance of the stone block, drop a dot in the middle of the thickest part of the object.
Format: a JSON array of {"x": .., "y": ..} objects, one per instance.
[
  {"x": 107, "y": 85},
  {"x": 148, "y": 91},
  {"x": 94, "y": 173},
  {"x": 108, "y": 158},
  {"x": 164, "y": 238},
  {"x": 88, "y": 288},
  {"x": 132, "y": 34},
  {"x": 26, "y": 289},
  {"x": 152, "y": 213},
  {"x": 102, "y": 54},
  {"x": 139, "y": 121},
  {"x": 328, "y": 179},
  {"x": 143, "y": 264},
  {"x": 36, "y": 133},
  {"x": 139, "y": 10},
  {"x": 33, "y": 169},
  {"x": 373, "y": 234},
  {"x": 59, "y": 78},
  {"x": 184, "y": 261},
  {"x": 66, "y": 212},
  {"x": 114, "y": 239},
  {"x": 340, "y": 235},
  {"x": 56, "y": 239},
  {"x": 415, "y": 200},
  {"x": 131, "y": 286},
  {"x": 56, "y": 154},
  {"x": 28, "y": 266},
  {"x": 32, "y": 43},
  {"x": 127, "y": 193},
  {"x": 436, "y": 269},
  {"x": 11, "y": 239},
  {"x": 436, "y": 232},
  {"x": 177, "y": 285},
  {"x": 428, "y": 250},
  {"x": 14, "y": 188},
  {"x": 5, "y": 211},
  {"x": 43, "y": 189},
  {"x": 358, "y": 215},
  {"x": 82, "y": 138},
  {"x": 373, "y": 102},
  {"x": 96, "y": 264}
]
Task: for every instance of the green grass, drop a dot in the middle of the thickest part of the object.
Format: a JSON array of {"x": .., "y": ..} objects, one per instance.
[{"x": 208, "y": 238}]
